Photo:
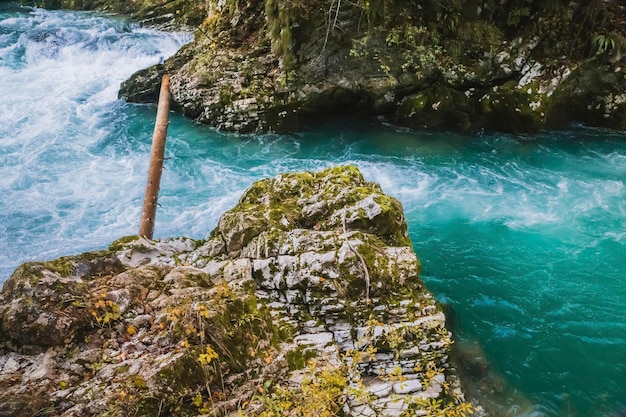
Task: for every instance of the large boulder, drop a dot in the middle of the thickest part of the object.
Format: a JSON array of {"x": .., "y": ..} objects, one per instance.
[
  {"x": 306, "y": 298},
  {"x": 594, "y": 94}
]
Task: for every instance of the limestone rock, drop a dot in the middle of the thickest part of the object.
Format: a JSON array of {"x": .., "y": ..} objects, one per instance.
[
  {"x": 594, "y": 94},
  {"x": 269, "y": 65},
  {"x": 306, "y": 297},
  {"x": 43, "y": 304},
  {"x": 278, "y": 66}
]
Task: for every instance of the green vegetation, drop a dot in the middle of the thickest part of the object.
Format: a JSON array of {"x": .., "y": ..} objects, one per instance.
[
  {"x": 121, "y": 242},
  {"x": 438, "y": 36},
  {"x": 431, "y": 35}
]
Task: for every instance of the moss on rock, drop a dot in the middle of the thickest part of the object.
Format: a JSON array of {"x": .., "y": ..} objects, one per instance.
[
  {"x": 308, "y": 288},
  {"x": 594, "y": 94},
  {"x": 47, "y": 301},
  {"x": 437, "y": 107},
  {"x": 268, "y": 65},
  {"x": 334, "y": 198},
  {"x": 512, "y": 107}
]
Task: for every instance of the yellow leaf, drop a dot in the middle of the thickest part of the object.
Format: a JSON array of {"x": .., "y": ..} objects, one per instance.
[
  {"x": 211, "y": 353},
  {"x": 131, "y": 330},
  {"x": 206, "y": 358}
]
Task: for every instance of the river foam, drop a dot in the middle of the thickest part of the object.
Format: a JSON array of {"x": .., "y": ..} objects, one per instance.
[{"x": 61, "y": 158}]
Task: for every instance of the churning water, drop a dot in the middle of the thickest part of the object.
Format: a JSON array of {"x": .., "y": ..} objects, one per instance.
[{"x": 524, "y": 238}]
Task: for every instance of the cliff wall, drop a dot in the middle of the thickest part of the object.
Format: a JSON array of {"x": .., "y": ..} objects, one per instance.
[{"x": 512, "y": 65}]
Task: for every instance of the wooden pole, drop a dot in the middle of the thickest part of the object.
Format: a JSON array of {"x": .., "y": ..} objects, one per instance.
[{"x": 157, "y": 155}]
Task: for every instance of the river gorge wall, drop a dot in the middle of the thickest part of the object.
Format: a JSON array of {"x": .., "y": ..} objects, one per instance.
[{"x": 468, "y": 65}]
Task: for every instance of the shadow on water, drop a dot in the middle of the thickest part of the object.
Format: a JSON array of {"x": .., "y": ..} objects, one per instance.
[
  {"x": 490, "y": 390},
  {"x": 482, "y": 384}
]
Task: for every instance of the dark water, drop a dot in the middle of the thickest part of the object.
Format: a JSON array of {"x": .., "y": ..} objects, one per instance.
[{"x": 524, "y": 238}]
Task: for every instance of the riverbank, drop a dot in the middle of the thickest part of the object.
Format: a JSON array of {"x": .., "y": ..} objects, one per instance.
[{"x": 255, "y": 66}]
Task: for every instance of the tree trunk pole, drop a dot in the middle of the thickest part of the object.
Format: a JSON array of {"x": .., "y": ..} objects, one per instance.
[{"x": 157, "y": 155}]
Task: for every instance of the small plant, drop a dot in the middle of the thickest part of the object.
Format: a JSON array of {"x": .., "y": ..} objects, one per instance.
[
  {"x": 611, "y": 43},
  {"x": 105, "y": 311},
  {"x": 323, "y": 391},
  {"x": 437, "y": 408},
  {"x": 604, "y": 42},
  {"x": 96, "y": 366}
]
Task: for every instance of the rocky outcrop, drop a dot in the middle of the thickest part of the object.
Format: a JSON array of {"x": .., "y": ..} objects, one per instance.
[
  {"x": 594, "y": 94},
  {"x": 267, "y": 65},
  {"x": 305, "y": 298},
  {"x": 258, "y": 65}
]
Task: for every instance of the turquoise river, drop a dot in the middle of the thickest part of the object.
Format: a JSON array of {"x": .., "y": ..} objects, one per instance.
[{"x": 524, "y": 238}]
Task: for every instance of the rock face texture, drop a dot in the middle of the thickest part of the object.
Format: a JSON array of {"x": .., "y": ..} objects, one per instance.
[
  {"x": 509, "y": 65},
  {"x": 305, "y": 299},
  {"x": 467, "y": 65}
]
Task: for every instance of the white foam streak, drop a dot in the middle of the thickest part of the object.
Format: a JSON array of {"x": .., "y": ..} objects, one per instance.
[
  {"x": 61, "y": 72},
  {"x": 517, "y": 196}
]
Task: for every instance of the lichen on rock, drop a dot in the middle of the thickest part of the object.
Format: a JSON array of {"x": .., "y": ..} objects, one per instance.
[
  {"x": 259, "y": 65},
  {"x": 470, "y": 65},
  {"x": 306, "y": 297}
]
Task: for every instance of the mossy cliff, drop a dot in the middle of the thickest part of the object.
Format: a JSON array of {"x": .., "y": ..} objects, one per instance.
[
  {"x": 305, "y": 299},
  {"x": 512, "y": 65}
]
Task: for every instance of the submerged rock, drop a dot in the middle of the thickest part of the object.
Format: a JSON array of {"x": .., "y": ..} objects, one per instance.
[{"x": 306, "y": 298}]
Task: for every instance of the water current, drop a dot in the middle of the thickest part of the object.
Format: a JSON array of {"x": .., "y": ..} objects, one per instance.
[{"x": 524, "y": 238}]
